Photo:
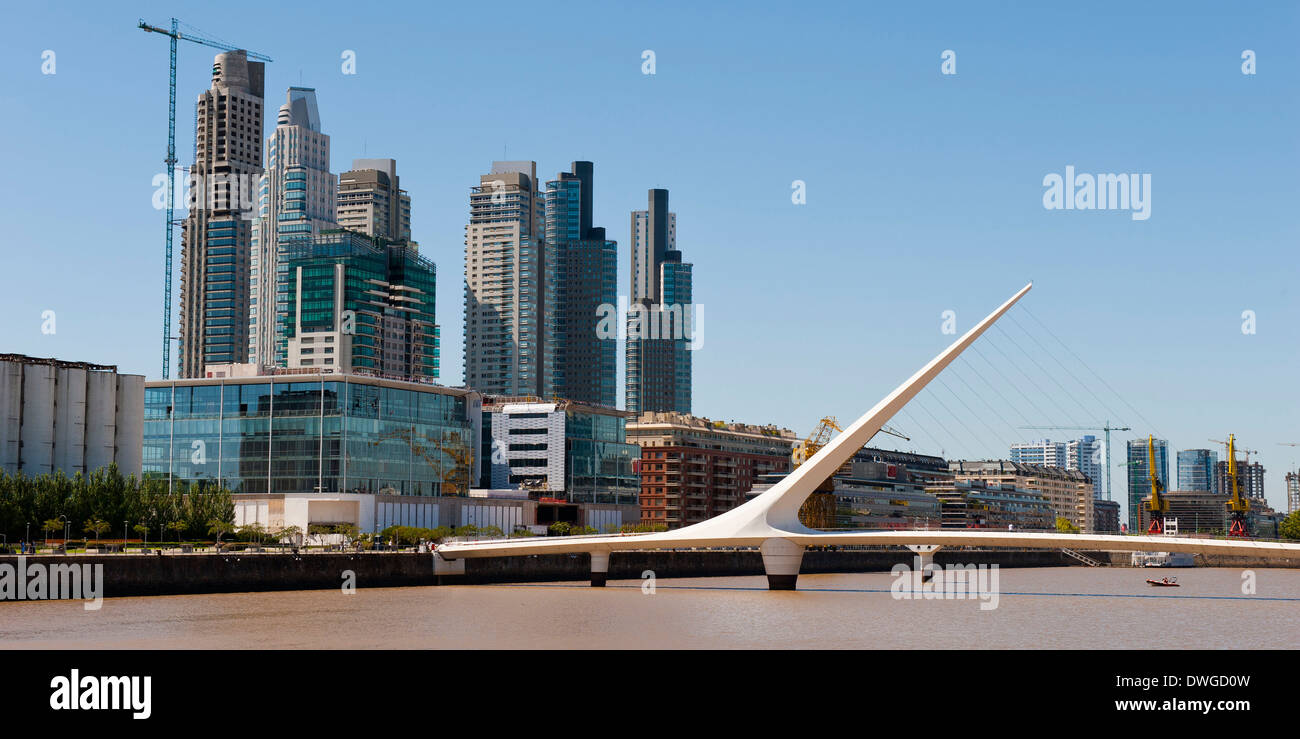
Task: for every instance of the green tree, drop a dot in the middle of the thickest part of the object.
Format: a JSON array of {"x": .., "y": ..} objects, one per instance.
[
  {"x": 219, "y": 528},
  {"x": 96, "y": 526},
  {"x": 1289, "y": 527},
  {"x": 176, "y": 527},
  {"x": 51, "y": 524},
  {"x": 1064, "y": 526}
]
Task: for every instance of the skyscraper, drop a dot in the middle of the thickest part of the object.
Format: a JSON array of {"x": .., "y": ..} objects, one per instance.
[
  {"x": 660, "y": 313},
  {"x": 506, "y": 285},
  {"x": 359, "y": 304},
  {"x": 1139, "y": 478},
  {"x": 1250, "y": 479},
  {"x": 1196, "y": 470},
  {"x": 1085, "y": 455},
  {"x": 371, "y": 200},
  {"x": 217, "y": 234},
  {"x": 586, "y": 274},
  {"x": 296, "y": 201}
]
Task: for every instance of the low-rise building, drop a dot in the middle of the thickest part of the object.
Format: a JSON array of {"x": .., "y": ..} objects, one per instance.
[
  {"x": 309, "y": 448},
  {"x": 1070, "y": 492},
  {"x": 68, "y": 416},
  {"x": 980, "y": 504},
  {"x": 560, "y": 450},
  {"x": 693, "y": 468},
  {"x": 1105, "y": 516}
]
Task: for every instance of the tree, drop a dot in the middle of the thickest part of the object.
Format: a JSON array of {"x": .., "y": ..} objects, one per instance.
[
  {"x": 218, "y": 528},
  {"x": 287, "y": 534},
  {"x": 52, "y": 524},
  {"x": 176, "y": 527},
  {"x": 1289, "y": 527},
  {"x": 1064, "y": 526},
  {"x": 142, "y": 530},
  {"x": 96, "y": 526}
]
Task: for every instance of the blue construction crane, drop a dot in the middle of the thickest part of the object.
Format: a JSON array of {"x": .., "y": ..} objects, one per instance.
[{"x": 175, "y": 35}]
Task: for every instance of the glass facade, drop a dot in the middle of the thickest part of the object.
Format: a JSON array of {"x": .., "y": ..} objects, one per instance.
[
  {"x": 1196, "y": 470},
  {"x": 1139, "y": 479},
  {"x": 389, "y": 289},
  {"x": 599, "y": 459},
  {"x": 287, "y": 434}
]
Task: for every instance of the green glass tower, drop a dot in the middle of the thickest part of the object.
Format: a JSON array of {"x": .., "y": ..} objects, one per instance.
[{"x": 356, "y": 304}]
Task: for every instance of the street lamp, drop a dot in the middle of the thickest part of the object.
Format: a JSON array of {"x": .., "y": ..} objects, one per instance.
[{"x": 66, "y": 524}]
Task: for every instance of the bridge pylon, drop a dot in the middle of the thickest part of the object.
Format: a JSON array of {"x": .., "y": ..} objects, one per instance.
[
  {"x": 599, "y": 569},
  {"x": 781, "y": 561}
]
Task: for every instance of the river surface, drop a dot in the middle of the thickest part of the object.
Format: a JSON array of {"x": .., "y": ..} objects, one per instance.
[{"x": 1075, "y": 607}]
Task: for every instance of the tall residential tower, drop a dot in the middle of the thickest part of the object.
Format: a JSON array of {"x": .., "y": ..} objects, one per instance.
[
  {"x": 217, "y": 234},
  {"x": 659, "y": 313},
  {"x": 506, "y": 284},
  {"x": 371, "y": 200},
  {"x": 584, "y": 353},
  {"x": 295, "y": 203}
]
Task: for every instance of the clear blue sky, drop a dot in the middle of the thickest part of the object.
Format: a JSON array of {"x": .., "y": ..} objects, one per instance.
[{"x": 924, "y": 191}]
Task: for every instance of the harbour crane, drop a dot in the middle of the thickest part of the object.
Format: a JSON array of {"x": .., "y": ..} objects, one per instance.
[
  {"x": 1238, "y": 505},
  {"x": 1106, "y": 428},
  {"x": 175, "y": 35},
  {"x": 818, "y": 511},
  {"x": 1158, "y": 506}
]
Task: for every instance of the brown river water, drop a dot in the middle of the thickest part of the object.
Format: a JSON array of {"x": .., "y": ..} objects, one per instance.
[{"x": 1075, "y": 607}]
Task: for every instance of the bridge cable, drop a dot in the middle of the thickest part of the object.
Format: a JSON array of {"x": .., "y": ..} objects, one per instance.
[
  {"x": 946, "y": 431},
  {"x": 1100, "y": 402},
  {"x": 1152, "y": 426},
  {"x": 995, "y": 434},
  {"x": 1037, "y": 387},
  {"x": 1026, "y": 396},
  {"x": 955, "y": 417},
  {"x": 1015, "y": 432}
]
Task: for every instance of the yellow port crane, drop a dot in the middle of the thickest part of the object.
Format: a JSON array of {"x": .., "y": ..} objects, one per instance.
[
  {"x": 1238, "y": 505},
  {"x": 818, "y": 511},
  {"x": 1158, "y": 506}
]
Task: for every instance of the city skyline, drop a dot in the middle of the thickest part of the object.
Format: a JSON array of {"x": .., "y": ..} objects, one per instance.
[{"x": 953, "y": 189}]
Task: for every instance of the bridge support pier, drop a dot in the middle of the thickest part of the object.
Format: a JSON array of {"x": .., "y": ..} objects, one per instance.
[
  {"x": 781, "y": 561},
  {"x": 444, "y": 567},
  {"x": 599, "y": 568},
  {"x": 925, "y": 557}
]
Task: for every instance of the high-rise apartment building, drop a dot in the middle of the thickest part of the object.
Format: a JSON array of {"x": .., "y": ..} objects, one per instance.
[
  {"x": 659, "y": 314},
  {"x": 1086, "y": 456},
  {"x": 1044, "y": 452},
  {"x": 507, "y": 280},
  {"x": 371, "y": 200},
  {"x": 1250, "y": 479},
  {"x": 1292, "y": 492},
  {"x": 217, "y": 234},
  {"x": 1139, "y": 476},
  {"x": 1196, "y": 470},
  {"x": 359, "y": 305},
  {"x": 296, "y": 202},
  {"x": 585, "y": 273}
]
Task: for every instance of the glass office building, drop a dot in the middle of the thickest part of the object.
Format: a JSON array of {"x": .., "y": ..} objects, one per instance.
[
  {"x": 599, "y": 459},
  {"x": 1196, "y": 470},
  {"x": 1139, "y": 477},
  {"x": 296, "y": 433}
]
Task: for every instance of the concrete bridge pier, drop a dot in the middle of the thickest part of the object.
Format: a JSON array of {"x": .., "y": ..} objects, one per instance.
[
  {"x": 599, "y": 569},
  {"x": 925, "y": 557},
  {"x": 444, "y": 567},
  {"x": 781, "y": 561}
]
